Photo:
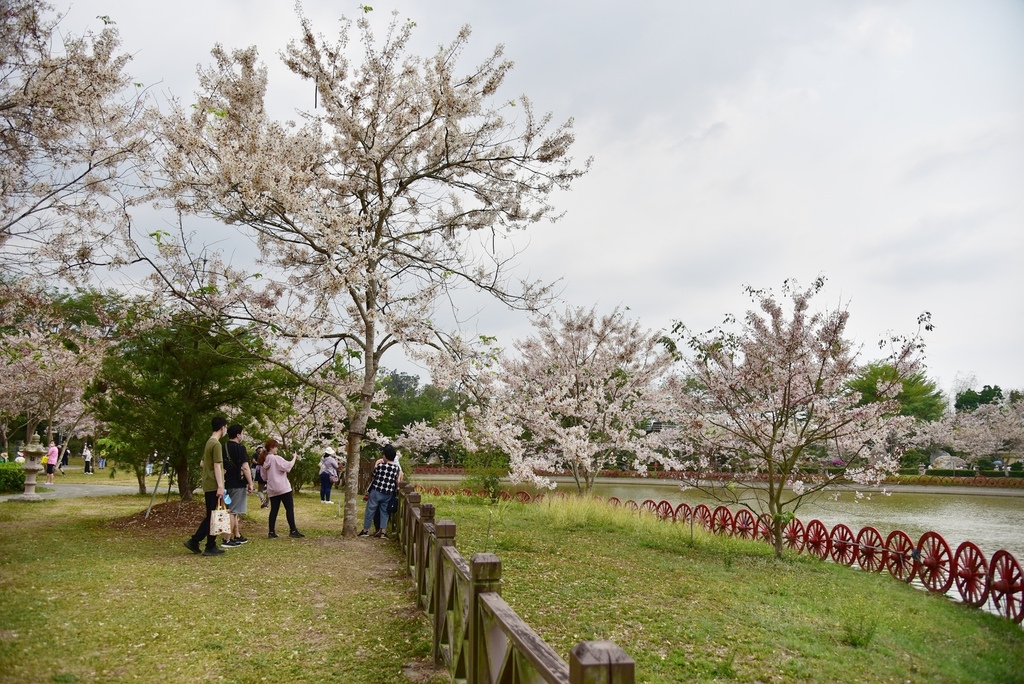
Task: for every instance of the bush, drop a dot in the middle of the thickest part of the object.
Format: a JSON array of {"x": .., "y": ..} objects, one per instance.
[{"x": 12, "y": 477}]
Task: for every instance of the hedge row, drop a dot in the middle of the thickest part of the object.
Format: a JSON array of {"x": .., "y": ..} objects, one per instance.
[{"x": 12, "y": 477}]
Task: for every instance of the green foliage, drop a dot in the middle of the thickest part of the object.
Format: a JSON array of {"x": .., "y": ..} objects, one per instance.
[
  {"x": 919, "y": 397},
  {"x": 159, "y": 388},
  {"x": 12, "y": 477},
  {"x": 407, "y": 403},
  {"x": 968, "y": 400}
]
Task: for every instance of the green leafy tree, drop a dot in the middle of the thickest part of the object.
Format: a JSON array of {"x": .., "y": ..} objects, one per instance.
[
  {"x": 407, "y": 403},
  {"x": 969, "y": 399},
  {"x": 159, "y": 388},
  {"x": 919, "y": 397}
]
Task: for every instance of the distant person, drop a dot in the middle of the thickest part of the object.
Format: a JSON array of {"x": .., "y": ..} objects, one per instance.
[
  {"x": 52, "y": 459},
  {"x": 328, "y": 474},
  {"x": 213, "y": 488},
  {"x": 258, "y": 457},
  {"x": 65, "y": 458},
  {"x": 87, "y": 457},
  {"x": 392, "y": 505},
  {"x": 103, "y": 460},
  {"x": 237, "y": 482},
  {"x": 384, "y": 482},
  {"x": 275, "y": 471}
]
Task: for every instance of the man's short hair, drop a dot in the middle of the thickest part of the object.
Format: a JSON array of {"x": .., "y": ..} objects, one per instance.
[
  {"x": 218, "y": 423},
  {"x": 234, "y": 431},
  {"x": 389, "y": 452}
]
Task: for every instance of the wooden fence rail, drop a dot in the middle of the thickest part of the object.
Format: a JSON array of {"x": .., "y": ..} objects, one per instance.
[{"x": 477, "y": 637}]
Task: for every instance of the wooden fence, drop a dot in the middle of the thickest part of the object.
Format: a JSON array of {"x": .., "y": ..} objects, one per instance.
[{"x": 477, "y": 637}]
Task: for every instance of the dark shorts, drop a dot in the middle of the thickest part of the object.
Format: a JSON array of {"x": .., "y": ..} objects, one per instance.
[{"x": 50, "y": 468}]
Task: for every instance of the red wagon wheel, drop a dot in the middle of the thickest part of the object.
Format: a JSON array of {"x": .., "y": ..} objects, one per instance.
[
  {"x": 900, "y": 556},
  {"x": 721, "y": 521},
  {"x": 844, "y": 546},
  {"x": 684, "y": 513},
  {"x": 870, "y": 550},
  {"x": 665, "y": 511},
  {"x": 505, "y": 496},
  {"x": 816, "y": 539},
  {"x": 936, "y": 562},
  {"x": 631, "y": 505},
  {"x": 793, "y": 535},
  {"x": 744, "y": 525},
  {"x": 1007, "y": 586},
  {"x": 523, "y": 497},
  {"x": 649, "y": 506},
  {"x": 702, "y": 514},
  {"x": 970, "y": 572},
  {"x": 614, "y": 501},
  {"x": 434, "y": 490},
  {"x": 765, "y": 529}
]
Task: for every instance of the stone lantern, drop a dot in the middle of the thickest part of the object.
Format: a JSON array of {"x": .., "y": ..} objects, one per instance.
[{"x": 34, "y": 453}]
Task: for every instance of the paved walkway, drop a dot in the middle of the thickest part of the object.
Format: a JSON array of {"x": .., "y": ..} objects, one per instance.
[{"x": 69, "y": 491}]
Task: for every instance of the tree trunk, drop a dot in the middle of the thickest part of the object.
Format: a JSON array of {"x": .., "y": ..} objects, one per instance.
[
  {"x": 141, "y": 477},
  {"x": 183, "y": 488}
]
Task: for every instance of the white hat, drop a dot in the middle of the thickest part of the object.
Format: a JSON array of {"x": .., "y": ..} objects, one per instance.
[{"x": 329, "y": 451}]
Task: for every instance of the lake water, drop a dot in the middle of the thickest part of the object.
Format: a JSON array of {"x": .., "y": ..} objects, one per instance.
[{"x": 990, "y": 519}]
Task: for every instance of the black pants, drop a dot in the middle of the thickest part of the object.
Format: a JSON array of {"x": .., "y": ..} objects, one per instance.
[
  {"x": 289, "y": 511},
  {"x": 204, "y": 527}
]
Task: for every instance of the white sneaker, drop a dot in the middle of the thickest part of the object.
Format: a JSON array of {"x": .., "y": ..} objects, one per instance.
[{"x": 329, "y": 503}]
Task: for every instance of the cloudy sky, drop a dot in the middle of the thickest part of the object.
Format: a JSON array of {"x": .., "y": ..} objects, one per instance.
[{"x": 880, "y": 144}]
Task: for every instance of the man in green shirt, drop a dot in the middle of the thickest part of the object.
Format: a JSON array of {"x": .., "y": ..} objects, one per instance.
[{"x": 213, "y": 488}]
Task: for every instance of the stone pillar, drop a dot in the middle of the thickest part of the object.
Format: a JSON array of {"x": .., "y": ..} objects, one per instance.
[
  {"x": 34, "y": 453},
  {"x": 600, "y": 662}
]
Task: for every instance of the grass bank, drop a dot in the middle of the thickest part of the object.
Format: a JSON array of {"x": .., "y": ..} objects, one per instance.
[
  {"x": 719, "y": 609},
  {"x": 90, "y": 593}
]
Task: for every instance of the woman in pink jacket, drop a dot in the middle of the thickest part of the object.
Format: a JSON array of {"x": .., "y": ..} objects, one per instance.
[{"x": 275, "y": 471}]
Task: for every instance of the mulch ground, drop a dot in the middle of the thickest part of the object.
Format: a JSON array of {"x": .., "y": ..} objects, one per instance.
[{"x": 177, "y": 516}]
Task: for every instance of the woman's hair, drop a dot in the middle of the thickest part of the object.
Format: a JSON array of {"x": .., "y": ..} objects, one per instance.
[
  {"x": 271, "y": 443},
  {"x": 261, "y": 454}
]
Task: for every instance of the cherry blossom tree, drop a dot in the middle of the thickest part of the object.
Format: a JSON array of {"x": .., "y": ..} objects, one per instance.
[
  {"x": 50, "y": 350},
  {"x": 989, "y": 430},
  {"x": 772, "y": 405},
  {"x": 578, "y": 395},
  {"x": 407, "y": 181},
  {"x": 70, "y": 133}
]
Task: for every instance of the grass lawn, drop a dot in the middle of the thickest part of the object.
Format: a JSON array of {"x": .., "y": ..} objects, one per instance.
[
  {"x": 90, "y": 593},
  {"x": 720, "y": 609}
]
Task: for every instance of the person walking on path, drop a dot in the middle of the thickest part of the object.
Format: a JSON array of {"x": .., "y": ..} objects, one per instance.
[
  {"x": 275, "y": 471},
  {"x": 328, "y": 475},
  {"x": 238, "y": 483},
  {"x": 87, "y": 457},
  {"x": 386, "y": 476},
  {"x": 213, "y": 488},
  {"x": 52, "y": 458}
]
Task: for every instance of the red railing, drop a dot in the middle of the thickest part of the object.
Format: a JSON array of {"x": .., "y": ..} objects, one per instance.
[{"x": 998, "y": 582}]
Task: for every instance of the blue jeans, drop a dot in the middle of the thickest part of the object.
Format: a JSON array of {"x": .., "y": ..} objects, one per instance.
[
  {"x": 325, "y": 487},
  {"x": 377, "y": 500}
]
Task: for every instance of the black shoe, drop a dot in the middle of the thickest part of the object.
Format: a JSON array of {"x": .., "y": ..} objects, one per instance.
[
  {"x": 295, "y": 534},
  {"x": 272, "y": 535},
  {"x": 240, "y": 540},
  {"x": 193, "y": 546},
  {"x": 229, "y": 544},
  {"x": 213, "y": 551},
  {"x": 363, "y": 533}
]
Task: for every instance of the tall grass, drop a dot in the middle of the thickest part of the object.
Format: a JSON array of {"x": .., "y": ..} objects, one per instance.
[{"x": 708, "y": 608}]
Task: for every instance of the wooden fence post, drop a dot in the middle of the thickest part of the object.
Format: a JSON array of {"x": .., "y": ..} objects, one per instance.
[
  {"x": 444, "y": 530},
  {"x": 600, "y": 662},
  {"x": 485, "y": 575},
  {"x": 423, "y": 550},
  {"x": 410, "y": 532}
]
